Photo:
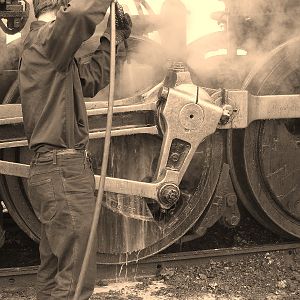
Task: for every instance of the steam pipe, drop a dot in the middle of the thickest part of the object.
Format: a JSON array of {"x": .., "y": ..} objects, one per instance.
[{"x": 105, "y": 158}]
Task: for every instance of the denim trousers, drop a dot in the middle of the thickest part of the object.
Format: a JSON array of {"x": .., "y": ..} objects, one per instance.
[{"x": 61, "y": 189}]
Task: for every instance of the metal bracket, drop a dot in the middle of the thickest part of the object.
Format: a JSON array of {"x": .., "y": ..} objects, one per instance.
[
  {"x": 223, "y": 206},
  {"x": 242, "y": 108},
  {"x": 187, "y": 124}
]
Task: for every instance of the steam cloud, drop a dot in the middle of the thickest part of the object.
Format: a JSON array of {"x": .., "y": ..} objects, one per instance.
[{"x": 258, "y": 27}]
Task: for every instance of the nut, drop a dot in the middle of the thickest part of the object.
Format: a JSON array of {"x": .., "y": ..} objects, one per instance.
[{"x": 168, "y": 195}]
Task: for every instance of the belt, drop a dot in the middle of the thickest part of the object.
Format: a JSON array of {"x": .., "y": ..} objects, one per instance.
[
  {"x": 60, "y": 152},
  {"x": 68, "y": 151}
]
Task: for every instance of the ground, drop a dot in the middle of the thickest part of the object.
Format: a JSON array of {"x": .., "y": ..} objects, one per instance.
[{"x": 262, "y": 276}]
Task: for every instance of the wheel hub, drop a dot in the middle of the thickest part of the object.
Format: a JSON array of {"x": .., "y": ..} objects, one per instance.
[{"x": 168, "y": 195}]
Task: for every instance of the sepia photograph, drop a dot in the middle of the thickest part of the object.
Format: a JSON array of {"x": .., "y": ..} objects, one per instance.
[{"x": 149, "y": 149}]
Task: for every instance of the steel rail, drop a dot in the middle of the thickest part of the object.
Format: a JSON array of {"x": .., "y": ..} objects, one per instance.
[{"x": 155, "y": 265}]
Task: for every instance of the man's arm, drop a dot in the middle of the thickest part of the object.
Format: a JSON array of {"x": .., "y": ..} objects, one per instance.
[
  {"x": 94, "y": 75},
  {"x": 74, "y": 24}
]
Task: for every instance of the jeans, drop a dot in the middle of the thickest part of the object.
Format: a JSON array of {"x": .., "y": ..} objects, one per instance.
[{"x": 61, "y": 190}]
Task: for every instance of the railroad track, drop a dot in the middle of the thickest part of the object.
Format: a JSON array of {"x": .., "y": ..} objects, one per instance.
[{"x": 155, "y": 265}]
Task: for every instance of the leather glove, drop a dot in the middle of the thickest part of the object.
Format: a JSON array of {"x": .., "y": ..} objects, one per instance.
[{"x": 123, "y": 26}]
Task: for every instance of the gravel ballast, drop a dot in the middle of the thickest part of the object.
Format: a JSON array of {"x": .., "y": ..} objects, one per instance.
[{"x": 257, "y": 277}]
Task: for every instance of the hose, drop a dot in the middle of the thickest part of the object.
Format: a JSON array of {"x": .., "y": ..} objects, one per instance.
[{"x": 97, "y": 211}]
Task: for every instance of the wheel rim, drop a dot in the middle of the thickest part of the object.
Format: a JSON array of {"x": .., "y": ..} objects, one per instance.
[
  {"x": 144, "y": 229},
  {"x": 13, "y": 191},
  {"x": 265, "y": 156},
  {"x": 280, "y": 177}
]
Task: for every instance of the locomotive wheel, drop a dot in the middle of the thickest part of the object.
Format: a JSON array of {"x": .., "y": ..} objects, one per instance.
[
  {"x": 13, "y": 193},
  {"x": 130, "y": 228},
  {"x": 265, "y": 157}
]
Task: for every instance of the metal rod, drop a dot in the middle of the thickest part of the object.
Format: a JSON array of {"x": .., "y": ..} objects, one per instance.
[
  {"x": 96, "y": 216},
  {"x": 122, "y": 131},
  {"x": 113, "y": 185}
]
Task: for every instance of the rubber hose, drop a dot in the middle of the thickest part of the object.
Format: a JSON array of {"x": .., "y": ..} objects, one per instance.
[
  {"x": 105, "y": 158},
  {"x": 13, "y": 94}
]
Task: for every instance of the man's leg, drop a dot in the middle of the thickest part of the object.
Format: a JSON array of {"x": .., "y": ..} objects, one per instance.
[
  {"x": 43, "y": 198},
  {"x": 47, "y": 269},
  {"x": 70, "y": 231}
]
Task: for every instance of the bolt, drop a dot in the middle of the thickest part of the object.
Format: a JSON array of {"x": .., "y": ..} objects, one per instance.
[
  {"x": 234, "y": 220},
  {"x": 17, "y": 22},
  {"x": 227, "y": 113},
  {"x": 231, "y": 200},
  {"x": 224, "y": 120},
  {"x": 163, "y": 93},
  {"x": 175, "y": 157},
  {"x": 168, "y": 195},
  {"x": 172, "y": 195}
]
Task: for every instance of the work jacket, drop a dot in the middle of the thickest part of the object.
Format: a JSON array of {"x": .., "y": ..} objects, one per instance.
[{"x": 53, "y": 84}]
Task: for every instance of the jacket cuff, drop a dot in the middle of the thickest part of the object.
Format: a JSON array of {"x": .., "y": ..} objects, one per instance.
[{"x": 106, "y": 36}]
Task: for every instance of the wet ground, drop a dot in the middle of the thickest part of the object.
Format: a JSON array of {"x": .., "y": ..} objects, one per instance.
[{"x": 265, "y": 276}]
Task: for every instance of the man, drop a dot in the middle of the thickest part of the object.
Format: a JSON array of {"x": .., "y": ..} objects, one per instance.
[{"x": 61, "y": 183}]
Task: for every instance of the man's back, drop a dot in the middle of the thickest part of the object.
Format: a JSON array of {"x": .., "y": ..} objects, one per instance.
[{"x": 52, "y": 84}]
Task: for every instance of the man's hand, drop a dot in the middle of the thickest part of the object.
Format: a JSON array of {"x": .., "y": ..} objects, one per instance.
[{"x": 123, "y": 25}]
